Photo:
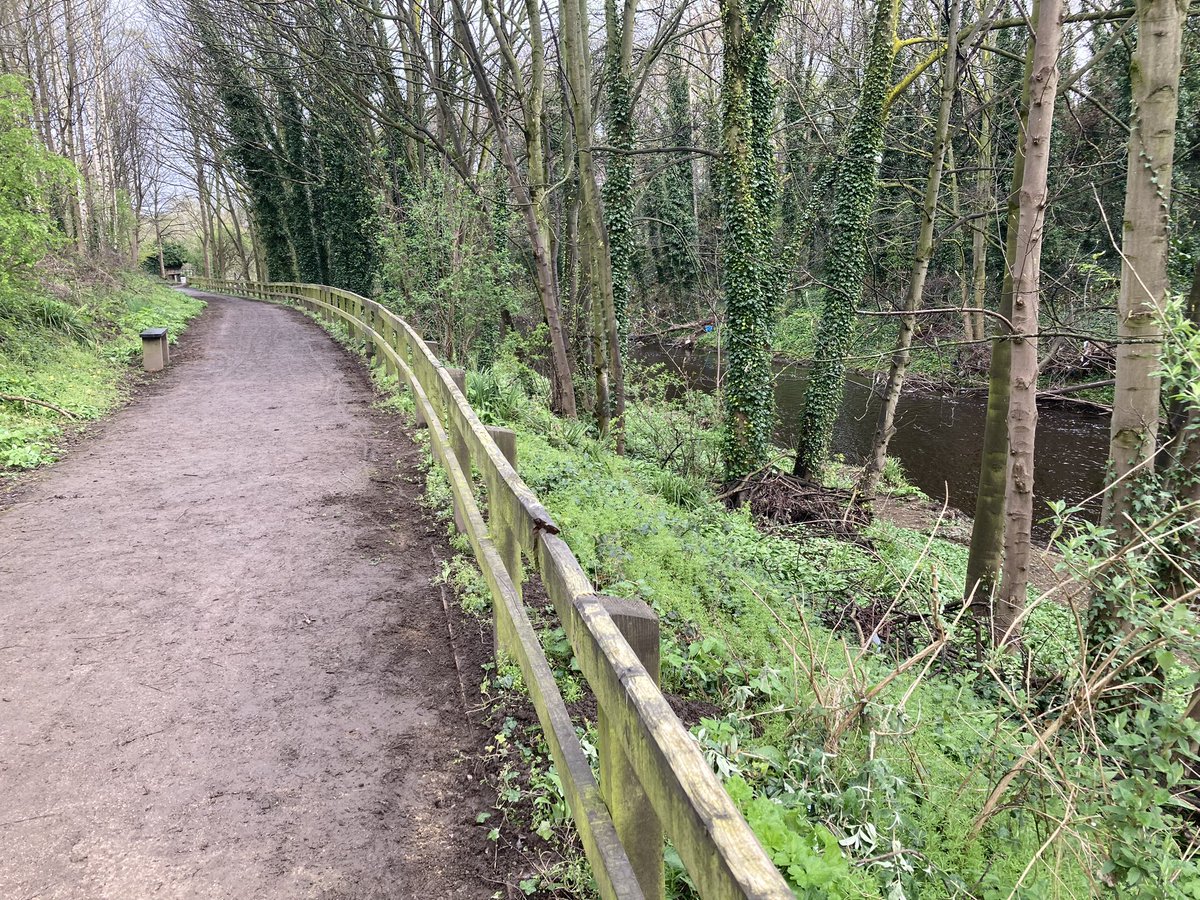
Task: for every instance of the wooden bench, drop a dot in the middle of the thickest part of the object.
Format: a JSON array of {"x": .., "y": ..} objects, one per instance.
[{"x": 155, "y": 351}]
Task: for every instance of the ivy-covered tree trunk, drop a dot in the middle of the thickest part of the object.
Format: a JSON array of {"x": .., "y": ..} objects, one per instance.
[
  {"x": 671, "y": 207},
  {"x": 1022, "y": 402},
  {"x": 748, "y": 176},
  {"x": 885, "y": 426},
  {"x": 1154, "y": 77},
  {"x": 251, "y": 148},
  {"x": 618, "y": 184},
  {"x": 298, "y": 167},
  {"x": 987, "y": 531},
  {"x": 349, "y": 218},
  {"x": 855, "y": 187}
]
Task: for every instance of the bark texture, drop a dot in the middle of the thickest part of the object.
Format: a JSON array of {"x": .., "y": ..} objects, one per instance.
[
  {"x": 1022, "y": 403},
  {"x": 1154, "y": 78},
  {"x": 987, "y": 534}
]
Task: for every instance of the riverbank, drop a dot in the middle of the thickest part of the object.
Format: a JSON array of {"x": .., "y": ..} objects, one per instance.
[
  {"x": 65, "y": 356},
  {"x": 939, "y": 434},
  {"x": 834, "y": 682},
  {"x": 842, "y": 713},
  {"x": 942, "y": 361}
]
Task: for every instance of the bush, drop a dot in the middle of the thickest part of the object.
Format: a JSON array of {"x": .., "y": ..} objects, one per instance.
[{"x": 174, "y": 256}]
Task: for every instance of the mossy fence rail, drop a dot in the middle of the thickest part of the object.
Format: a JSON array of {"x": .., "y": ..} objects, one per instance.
[{"x": 654, "y": 781}]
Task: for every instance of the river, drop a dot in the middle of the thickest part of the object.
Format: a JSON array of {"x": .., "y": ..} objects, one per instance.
[{"x": 939, "y": 437}]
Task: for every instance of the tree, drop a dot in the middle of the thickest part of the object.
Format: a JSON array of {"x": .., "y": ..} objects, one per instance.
[
  {"x": 1022, "y": 403},
  {"x": 1154, "y": 77},
  {"x": 855, "y": 185},
  {"x": 987, "y": 532},
  {"x": 167, "y": 255},
  {"x": 924, "y": 252},
  {"x": 30, "y": 175},
  {"x": 748, "y": 189}
]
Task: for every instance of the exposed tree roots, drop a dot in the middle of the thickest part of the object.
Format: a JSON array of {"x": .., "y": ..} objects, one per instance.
[{"x": 776, "y": 498}]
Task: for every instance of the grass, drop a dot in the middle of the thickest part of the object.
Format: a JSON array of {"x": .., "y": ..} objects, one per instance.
[
  {"x": 859, "y": 782},
  {"x": 75, "y": 354},
  {"x": 861, "y": 759}
]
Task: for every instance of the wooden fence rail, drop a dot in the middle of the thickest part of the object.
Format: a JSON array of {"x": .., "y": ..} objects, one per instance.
[{"x": 654, "y": 781}]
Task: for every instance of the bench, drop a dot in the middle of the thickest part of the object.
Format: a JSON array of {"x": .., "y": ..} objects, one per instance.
[{"x": 155, "y": 352}]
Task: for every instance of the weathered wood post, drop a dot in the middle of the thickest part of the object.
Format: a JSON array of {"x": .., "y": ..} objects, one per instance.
[
  {"x": 506, "y": 440},
  {"x": 155, "y": 352},
  {"x": 419, "y": 366},
  {"x": 389, "y": 338},
  {"x": 458, "y": 441},
  {"x": 638, "y": 825},
  {"x": 368, "y": 318},
  {"x": 501, "y": 532}
]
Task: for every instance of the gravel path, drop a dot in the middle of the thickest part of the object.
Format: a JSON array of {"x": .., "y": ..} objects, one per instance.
[{"x": 224, "y": 666}]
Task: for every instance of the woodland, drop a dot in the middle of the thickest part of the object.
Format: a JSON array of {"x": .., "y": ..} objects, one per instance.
[{"x": 984, "y": 198}]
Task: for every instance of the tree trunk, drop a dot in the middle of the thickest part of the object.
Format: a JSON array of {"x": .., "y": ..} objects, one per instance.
[
  {"x": 987, "y": 532},
  {"x": 547, "y": 279},
  {"x": 610, "y": 382},
  {"x": 745, "y": 125},
  {"x": 1022, "y": 404},
  {"x": 885, "y": 426},
  {"x": 984, "y": 180},
  {"x": 855, "y": 187},
  {"x": 1154, "y": 76}
]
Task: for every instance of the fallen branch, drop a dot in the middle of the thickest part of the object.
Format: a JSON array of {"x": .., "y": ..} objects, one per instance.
[
  {"x": 1074, "y": 388},
  {"x": 683, "y": 326},
  {"x": 14, "y": 398}
]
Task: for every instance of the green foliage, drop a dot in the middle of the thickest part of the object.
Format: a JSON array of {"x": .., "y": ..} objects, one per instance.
[
  {"x": 299, "y": 165},
  {"x": 807, "y": 854},
  {"x": 253, "y": 148},
  {"x": 344, "y": 198},
  {"x": 73, "y": 355},
  {"x": 748, "y": 195},
  {"x": 174, "y": 255},
  {"x": 31, "y": 179},
  {"x": 855, "y": 186},
  {"x": 886, "y": 808},
  {"x": 445, "y": 270}
]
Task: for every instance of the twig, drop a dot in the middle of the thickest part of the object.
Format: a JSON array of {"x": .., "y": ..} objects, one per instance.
[{"x": 14, "y": 398}]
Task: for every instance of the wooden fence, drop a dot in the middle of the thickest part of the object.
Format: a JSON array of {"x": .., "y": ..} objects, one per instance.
[{"x": 653, "y": 779}]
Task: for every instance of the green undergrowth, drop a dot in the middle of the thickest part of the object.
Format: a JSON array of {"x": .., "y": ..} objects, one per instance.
[
  {"x": 840, "y": 701},
  {"x": 72, "y": 350},
  {"x": 795, "y": 333},
  {"x": 859, "y": 781}
]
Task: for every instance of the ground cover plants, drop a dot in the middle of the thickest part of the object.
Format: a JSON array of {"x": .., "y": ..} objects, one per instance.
[
  {"x": 837, "y": 685},
  {"x": 64, "y": 356}
]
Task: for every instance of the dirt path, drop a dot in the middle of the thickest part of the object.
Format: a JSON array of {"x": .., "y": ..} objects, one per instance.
[{"x": 224, "y": 667}]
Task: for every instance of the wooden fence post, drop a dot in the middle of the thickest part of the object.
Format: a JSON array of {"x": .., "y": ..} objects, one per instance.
[
  {"x": 506, "y": 440},
  {"x": 501, "y": 533},
  {"x": 637, "y": 824},
  {"x": 458, "y": 441}
]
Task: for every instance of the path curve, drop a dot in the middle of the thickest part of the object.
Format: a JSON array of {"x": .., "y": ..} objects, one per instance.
[{"x": 224, "y": 664}]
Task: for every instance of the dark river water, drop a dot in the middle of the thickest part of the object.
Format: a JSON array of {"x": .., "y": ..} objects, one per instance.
[{"x": 938, "y": 437}]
